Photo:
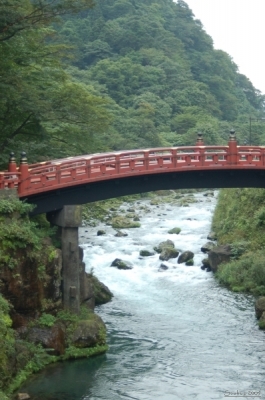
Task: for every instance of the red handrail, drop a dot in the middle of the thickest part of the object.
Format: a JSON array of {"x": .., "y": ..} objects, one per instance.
[{"x": 60, "y": 173}]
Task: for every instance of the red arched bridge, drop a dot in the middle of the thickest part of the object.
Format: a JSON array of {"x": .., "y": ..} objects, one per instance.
[{"x": 77, "y": 180}]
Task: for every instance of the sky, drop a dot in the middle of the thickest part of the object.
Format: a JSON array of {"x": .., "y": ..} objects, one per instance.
[{"x": 237, "y": 27}]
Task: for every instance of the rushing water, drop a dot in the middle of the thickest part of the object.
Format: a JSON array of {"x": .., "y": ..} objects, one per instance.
[{"x": 173, "y": 334}]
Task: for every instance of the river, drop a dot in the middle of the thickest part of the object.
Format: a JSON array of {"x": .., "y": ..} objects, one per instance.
[{"x": 173, "y": 334}]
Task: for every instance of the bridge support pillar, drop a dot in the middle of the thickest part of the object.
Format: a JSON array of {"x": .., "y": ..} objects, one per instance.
[{"x": 69, "y": 219}]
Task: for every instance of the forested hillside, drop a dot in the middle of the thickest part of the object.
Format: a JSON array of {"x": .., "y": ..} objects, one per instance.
[
  {"x": 122, "y": 74},
  {"x": 157, "y": 66}
]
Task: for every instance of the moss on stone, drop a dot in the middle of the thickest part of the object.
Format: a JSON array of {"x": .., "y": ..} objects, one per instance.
[{"x": 174, "y": 231}]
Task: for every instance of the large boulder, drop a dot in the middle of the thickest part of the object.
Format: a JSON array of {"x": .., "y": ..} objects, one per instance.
[
  {"x": 185, "y": 256},
  {"x": 260, "y": 306},
  {"x": 101, "y": 292},
  {"x": 88, "y": 332},
  {"x": 218, "y": 255}
]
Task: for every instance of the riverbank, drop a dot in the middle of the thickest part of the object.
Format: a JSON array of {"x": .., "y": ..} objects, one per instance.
[
  {"x": 239, "y": 220},
  {"x": 34, "y": 328},
  {"x": 172, "y": 333}
]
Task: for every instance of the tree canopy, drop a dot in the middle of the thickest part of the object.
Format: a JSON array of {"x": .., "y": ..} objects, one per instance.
[{"x": 88, "y": 76}]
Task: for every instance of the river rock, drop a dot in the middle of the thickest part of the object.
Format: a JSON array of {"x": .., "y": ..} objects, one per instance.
[
  {"x": 167, "y": 244},
  {"x": 185, "y": 256},
  {"x": 218, "y": 255},
  {"x": 175, "y": 231},
  {"x": 262, "y": 321},
  {"x": 100, "y": 232},
  {"x": 121, "y": 234},
  {"x": 168, "y": 253},
  {"x": 101, "y": 293},
  {"x": 88, "y": 332},
  {"x": 209, "y": 194},
  {"x": 205, "y": 264},
  {"x": 260, "y": 306},
  {"x": 212, "y": 236},
  {"x": 163, "y": 267},
  {"x": 146, "y": 253},
  {"x": 207, "y": 247},
  {"x": 121, "y": 264}
]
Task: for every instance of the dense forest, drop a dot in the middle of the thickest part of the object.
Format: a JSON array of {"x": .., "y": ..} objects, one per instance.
[
  {"x": 91, "y": 76},
  {"x": 78, "y": 77}
]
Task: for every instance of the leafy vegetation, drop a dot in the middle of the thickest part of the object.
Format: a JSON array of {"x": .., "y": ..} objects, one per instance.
[
  {"x": 164, "y": 81},
  {"x": 122, "y": 74},
  {"x": 239, "y": 220},
  {"x": 19, "y": 233}
]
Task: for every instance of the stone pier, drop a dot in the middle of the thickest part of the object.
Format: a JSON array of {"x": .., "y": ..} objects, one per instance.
[{"x": 68, "y": 219}]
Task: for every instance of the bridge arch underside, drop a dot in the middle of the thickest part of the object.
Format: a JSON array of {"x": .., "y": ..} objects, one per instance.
[{"x": 105, "y": 189}]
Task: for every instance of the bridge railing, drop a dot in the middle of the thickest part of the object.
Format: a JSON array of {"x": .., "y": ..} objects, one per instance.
[
  {"x": 252, "y": 156},
  {"x": 50, "y": 175},
  {"x": 9, "y": 180}
]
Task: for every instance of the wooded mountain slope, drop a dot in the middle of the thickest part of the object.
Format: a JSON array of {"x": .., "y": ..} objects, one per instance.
[
  {"x": 161, "y": 74},
  {"x": 122, "y": 74}
]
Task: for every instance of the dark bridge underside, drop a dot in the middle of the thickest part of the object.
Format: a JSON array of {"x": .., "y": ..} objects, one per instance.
[{"x": 101, "y": 190}]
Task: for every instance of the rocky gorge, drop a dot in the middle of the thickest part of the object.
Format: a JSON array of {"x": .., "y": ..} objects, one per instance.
[{"x": 38, "y": 317}]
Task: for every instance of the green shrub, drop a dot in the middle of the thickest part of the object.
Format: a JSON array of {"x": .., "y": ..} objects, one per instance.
[
  {"x": 47, "y": 320},
  {"x": 7, "y": 340},
  {"x": 245, "y": 274}
]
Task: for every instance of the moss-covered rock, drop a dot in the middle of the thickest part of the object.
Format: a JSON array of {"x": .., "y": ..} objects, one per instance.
[
  {"x": 146, "y": 253},
  {"x": 121, "y": 264},
  {"x": 168, "y": 253},
  {"x": 185, "y": 256},
  {"x": 88, "y": 333},
  {"x": 165, "y": 244},
  {"x": 122, "y": 222},
  {"x": 175, "y": 231},
  {"x": 101, "y": 292}
]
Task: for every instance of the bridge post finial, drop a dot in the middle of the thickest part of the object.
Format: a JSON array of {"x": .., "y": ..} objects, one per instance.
[
  {"x": 199, "y": 141},
  {"x": 232, "y": 148},
  {"x": 232, "y": 136},
  {"x": 24, "y": 172},
  {"x": 12, "y": 166}
]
